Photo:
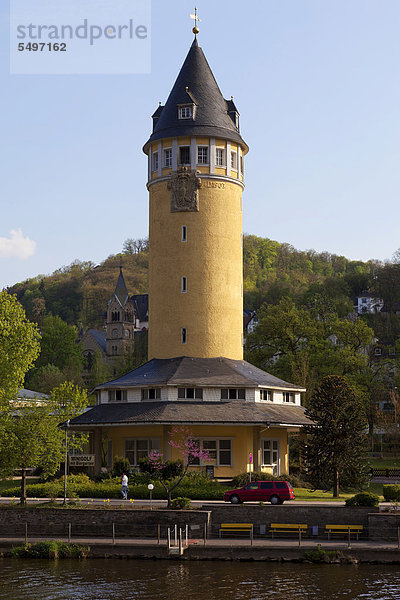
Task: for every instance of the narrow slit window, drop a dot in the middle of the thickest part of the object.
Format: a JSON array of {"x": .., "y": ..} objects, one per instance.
[
  {"x": 184, "y": 285},
  {"x": 184, "y": 233},
  {"x": 184, "y": 335}
]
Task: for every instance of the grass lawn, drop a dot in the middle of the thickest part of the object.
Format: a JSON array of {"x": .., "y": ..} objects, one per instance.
[{"x": 320, "y": 496}]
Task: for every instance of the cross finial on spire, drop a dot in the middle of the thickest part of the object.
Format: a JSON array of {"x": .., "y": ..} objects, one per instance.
[{"x": 196, "y": 20}]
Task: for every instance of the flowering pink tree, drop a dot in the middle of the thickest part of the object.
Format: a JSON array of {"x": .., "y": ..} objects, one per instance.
[{"x": 189, "y": 452}]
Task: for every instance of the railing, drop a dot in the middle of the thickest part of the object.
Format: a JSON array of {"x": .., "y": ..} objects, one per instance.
[{"x": 388, "y": 472}]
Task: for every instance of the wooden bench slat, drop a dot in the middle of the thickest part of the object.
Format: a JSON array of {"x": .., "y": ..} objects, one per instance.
[
  {"x": 345, "y": 527},
  {"x": 236, "y": 527},
  {"x": 331, "y": 529}
]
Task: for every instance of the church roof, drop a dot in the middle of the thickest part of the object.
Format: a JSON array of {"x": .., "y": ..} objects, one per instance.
[
  {"x": 196, "y": 85},
  {"x": 100, "y": 337},
  {"x": 193, "y": 412},
  {"x": 141, "y": 304},
  {"x": 121, "y": 291},
  {"x": 187, "y": 371}
]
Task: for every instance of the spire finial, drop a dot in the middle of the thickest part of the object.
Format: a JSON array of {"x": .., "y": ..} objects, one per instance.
[{"x": 196, "y": 20}]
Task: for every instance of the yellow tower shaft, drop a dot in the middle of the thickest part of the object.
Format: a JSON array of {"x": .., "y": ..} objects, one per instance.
[{"x": 201, "y": 315}]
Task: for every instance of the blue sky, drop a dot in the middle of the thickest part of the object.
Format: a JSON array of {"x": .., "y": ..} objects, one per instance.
[{"x": 318, "y": 88}]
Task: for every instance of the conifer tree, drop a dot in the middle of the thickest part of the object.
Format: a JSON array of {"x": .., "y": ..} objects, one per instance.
[{"x": 336, "y": 445}]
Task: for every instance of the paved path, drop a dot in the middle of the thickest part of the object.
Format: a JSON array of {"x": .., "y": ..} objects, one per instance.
[{"x": 163, "y": 503}]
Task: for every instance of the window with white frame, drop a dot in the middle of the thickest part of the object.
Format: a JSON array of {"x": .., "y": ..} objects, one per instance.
[
  {"x": 168, "y": 157},
  {"x": 234, "y": 161},
  {"x": 267, "y": 395},
  {"x": 202, "y": 155},
  {"x": 189, "y": 393},
  {"x": 185, "y": 112},
  {"x": 155, "y": 161},
  {"x": 151, "y": 394},
  {"x": 270, "y": 452},
  {"x": 117, "y": 395},
  {"x": 219, "y": 452},
  {"x": 184, "y": 233},
  {"x": 136, "y": 449},
  {"x": 184, "y": 155},
  {"x": 184, "y": 285},
  {"x": 220, "y": 157},
  {"x": 233, "y": 394},
  {"x": 289, "y": 397}
]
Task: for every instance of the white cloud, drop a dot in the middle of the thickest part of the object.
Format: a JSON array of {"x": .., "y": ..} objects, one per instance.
[{"x": 16, "y": 245}]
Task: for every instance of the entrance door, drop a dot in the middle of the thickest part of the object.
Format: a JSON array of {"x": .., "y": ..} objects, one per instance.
[{"x": 271, "y": 455}]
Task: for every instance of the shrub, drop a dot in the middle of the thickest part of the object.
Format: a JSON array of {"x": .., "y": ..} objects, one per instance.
[
  {"x": 391, "y": 492},
  {"x": 173, "y": 468},
  {"x": 53, "y": 549},
  {"x": 180, "y": 503},
  {"x": 121, "y": 466},
  {"x": 323, "y": 556},
  {"x": 363, "y": 499}
]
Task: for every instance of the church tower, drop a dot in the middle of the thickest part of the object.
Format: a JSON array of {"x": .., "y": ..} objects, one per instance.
[
  {"x": 195, "y": 182},
  {"x": 120, "y": 320}
]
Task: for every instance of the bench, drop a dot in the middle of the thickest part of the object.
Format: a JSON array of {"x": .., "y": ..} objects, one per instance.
[
  {"x": 343, "y": 529},
  {"x": 299, "y": 528},
  {"x": 236, "y": 528}
]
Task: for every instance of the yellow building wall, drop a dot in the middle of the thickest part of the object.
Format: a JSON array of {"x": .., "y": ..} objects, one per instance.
[
  {"x": 245, "y": 439},
  {"x": 210, "y": 259}
]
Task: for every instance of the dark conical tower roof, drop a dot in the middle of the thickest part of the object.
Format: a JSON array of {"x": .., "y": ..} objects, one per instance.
[
  {"x": 121, "y": 291},
  {"x": 196, "y": 85}
]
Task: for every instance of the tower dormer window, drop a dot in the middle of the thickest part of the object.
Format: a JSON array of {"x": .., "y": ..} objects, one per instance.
[{"x": 185, "y": 112}]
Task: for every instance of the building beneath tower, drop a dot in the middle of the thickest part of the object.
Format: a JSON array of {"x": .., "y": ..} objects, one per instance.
[{"x": 196, "y": 375}]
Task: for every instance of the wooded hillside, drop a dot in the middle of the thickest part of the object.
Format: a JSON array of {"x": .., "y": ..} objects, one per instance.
[{"x": 79, "y": 293}]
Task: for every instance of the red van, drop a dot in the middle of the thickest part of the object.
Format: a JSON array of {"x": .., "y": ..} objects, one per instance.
[{"x": 275, "y": 492}]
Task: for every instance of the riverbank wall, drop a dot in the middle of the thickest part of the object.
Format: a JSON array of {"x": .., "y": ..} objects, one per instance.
[{"x": 142, "y": 533}]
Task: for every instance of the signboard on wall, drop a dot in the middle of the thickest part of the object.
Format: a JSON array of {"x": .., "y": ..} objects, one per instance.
[{"x": 81, "y": 460}]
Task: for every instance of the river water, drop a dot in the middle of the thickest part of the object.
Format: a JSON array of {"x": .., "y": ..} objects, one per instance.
[{"x": 111, "y": 579}]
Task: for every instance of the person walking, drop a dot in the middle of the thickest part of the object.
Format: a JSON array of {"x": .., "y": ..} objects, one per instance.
[{"x": 124, "y": 486}]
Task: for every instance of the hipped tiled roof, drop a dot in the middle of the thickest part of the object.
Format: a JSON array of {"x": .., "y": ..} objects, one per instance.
[
  {"x": 201, "y": 372},
  {"x": 192, "y": 412}
]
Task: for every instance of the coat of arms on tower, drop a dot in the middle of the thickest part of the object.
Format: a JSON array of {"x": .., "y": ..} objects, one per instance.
[{"x": 184, "y": 186}]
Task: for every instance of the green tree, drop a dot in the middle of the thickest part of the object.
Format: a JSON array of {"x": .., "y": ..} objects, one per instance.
[
  {"x": 59, "y": 345},
  {"x": 45, "y": 378},
  {"x": 304, "y": 344},
  {"x": 30, "y": 435},
  {"x": 19, "y": 347},
  {"x": 335, "y": 448}
]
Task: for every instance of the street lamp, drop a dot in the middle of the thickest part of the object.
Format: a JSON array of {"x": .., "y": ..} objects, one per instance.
[
  {"x": 66, "y": 462},
  {"x": 150, "y": 487}
]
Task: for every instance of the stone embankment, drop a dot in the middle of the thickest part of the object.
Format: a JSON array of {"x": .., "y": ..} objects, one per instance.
[{"x": 142, "y": 533}]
